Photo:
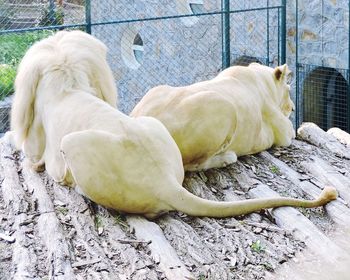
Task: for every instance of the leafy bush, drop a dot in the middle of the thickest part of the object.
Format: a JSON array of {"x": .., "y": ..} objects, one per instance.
[
  {"x": 12, "y": 48},
  {"x": 14, "y": 45},
  {"x": 7, "y": 77},
  {"x": 52, "y": 17}
]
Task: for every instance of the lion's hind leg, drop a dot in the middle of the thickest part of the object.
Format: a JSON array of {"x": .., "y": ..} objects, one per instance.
[
  {"x": 95, "y": 161},
  {"x": 216, "y": 161},
  {"x": 115, "y": 171}
]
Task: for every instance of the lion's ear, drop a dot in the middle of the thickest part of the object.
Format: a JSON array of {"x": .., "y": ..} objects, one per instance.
[{"x": 280, "y": 71}]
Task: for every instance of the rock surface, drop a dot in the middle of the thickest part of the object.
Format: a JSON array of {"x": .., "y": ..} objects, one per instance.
[{"x": 48, "y": 231}]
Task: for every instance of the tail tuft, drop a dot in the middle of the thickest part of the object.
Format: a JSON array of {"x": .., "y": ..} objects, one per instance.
[{"x": 328, "y": 194}]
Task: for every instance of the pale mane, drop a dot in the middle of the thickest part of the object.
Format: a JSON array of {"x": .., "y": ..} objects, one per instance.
[{"x": 66, "y": 52}]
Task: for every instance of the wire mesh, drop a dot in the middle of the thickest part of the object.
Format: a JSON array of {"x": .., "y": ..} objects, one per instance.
[
  {"x": 256, "y": 30},
  {"x": 17, "y": 18},
  {"x": 325, "y": 96},
  {"x": 322, "y": 61},
  {"x": 184, "y": 44},
  {"x": 150, "y": 42},
  {"x": 146, "y": 54}
]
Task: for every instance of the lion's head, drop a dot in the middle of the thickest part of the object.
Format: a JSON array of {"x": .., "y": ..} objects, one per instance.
[{"x": 278, "y": 80}]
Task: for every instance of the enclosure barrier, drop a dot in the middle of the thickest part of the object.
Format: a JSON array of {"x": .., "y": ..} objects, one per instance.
[
  {"x": 150, "y": 42},
  {"x": 322, "y": 63}
]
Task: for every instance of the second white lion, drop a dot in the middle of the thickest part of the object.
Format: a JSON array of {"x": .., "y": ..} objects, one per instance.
[{"x": 244, "y": 110}]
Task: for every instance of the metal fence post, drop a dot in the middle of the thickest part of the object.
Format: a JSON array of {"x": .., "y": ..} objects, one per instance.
[
  {"x": 283, "y": 31},
  {"x": 225, "y": 30},
  {"x": 297, "y": 76},
  {"x": 51, "y": 15},
  {"x": 88, "y": 16},
  {"x": 268, "y": 32}
]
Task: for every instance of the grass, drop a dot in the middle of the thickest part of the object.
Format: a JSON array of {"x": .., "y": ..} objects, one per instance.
[
  {"x": 12, "y": 48},
  {"x": 257, "y": 247},
  {"x": 14, "y": 45},
  {"x": 120, "y": 220},
  {"x": 7, "y": 77},
  {"x": 274, "y": 169}
]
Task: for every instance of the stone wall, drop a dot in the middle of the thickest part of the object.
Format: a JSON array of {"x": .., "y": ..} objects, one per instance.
[
  {"x": 184, "y": 50},
  {"x": 177, "y": 51},
  {"x": 323, "y": 32},
  {"x": 323, "y": 47},
  {"x": 180, "y": 51}
]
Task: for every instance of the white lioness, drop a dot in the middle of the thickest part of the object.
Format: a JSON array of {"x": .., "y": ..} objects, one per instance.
[
  {"x": 244, "y": 110},
  {"x": 129, "y": 164}
]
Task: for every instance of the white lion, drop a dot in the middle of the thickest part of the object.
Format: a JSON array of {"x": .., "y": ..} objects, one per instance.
[
  {"x": 65, "y": 64},
  {"x": 244, "y": 110},
  {"x": 129, "y": 164}
]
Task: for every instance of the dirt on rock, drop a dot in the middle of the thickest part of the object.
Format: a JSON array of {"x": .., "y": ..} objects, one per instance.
[{"x": 48, "y": 231}]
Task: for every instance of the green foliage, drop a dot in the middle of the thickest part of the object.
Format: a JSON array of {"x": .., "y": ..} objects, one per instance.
[
  {"x": 257, "y": 247},
  {"x": 14, "y": 45},
  {"x": 12, "y": 48},
  {"x": 120, "y": 220},
  {"x": 52, "y": 17},
  {"x": 274, "y": 169},
  {"x": 7, "y": 77}
]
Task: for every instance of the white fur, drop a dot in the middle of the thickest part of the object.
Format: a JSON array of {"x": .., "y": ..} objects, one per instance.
[
  {"x": 64, "y": 116},
  {"x": 64, "y": 64},
  {"x": 244, "y": 110}
]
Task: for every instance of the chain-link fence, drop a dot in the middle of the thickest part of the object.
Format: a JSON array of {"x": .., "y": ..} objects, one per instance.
[
  {"x": 23, "y": 22},
  {"x": 322, "y": 63},
  {"x": 324, "y": 93},
  {"x": 150, "y": 42}
]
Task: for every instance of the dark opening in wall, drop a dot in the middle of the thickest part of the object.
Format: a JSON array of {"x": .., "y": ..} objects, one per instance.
[
  {"x": 132, "y": 48},
  {"x": 196, "y": 7},
  {"x": 138, "y": 48},
  {"x": 245, "y": 60},
  {"x": 325, "y": 98},
  {"x": 190, "y": 7}
]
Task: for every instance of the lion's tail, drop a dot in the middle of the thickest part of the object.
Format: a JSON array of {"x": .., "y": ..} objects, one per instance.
[
  {"x": 190, "y": 204},
  {"x": 22, "y": 112}
]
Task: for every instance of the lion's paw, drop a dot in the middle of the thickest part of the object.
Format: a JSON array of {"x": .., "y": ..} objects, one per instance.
[{"x": 220, "y": 160}]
